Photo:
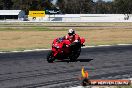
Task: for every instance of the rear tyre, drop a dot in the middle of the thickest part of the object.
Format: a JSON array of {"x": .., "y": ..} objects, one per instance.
[
  {"x": 50, "y": 57},
  {"x": 75, "y": 55}
]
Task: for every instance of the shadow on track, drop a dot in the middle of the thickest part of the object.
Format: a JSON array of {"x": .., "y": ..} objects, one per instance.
[
  {"x": 80, "y": 60},
  {"x": 84, "y": 60}
]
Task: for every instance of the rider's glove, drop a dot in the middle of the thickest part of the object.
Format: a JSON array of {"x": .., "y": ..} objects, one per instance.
[
  {"x": 67, "y": 45},
  {"x": 76, "y": 41}
]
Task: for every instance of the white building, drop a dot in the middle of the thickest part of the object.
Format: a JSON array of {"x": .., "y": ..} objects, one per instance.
[
  {"x": 89, "y": 18},
  {"x": 12, "y": 14}
]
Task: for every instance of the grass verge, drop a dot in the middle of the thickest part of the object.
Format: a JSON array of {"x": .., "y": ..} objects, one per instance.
[{"x": 20, "y": 39}]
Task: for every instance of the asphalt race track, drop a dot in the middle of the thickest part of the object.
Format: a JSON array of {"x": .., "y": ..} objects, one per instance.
[{"x": 31, "y": 70}]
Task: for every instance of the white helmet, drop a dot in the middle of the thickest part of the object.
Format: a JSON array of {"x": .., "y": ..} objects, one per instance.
[{"x": 71, "y": 32}]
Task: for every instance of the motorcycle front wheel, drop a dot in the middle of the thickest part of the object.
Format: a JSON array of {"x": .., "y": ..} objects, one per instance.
[{"x": 50, "y": 57}]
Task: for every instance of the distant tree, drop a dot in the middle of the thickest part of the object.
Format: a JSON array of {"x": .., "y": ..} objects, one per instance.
[
  {"x": 123, "y": 6},
  {"x": 110, "y": 8},
  {"x": 6, "y": 4},
  {"x": 1, "y": 4},
  {"x": 41, "y": 5},
  {"x": 71, "y": 6},
  {"x": 75, "y": 6},
  {"x": 86, "y": 6},
  {"x": 102, "y": 7},
  {"x": 16, "y": 4}
]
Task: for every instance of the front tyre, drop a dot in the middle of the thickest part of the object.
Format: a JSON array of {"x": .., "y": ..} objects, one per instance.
[{"x": 50, "y": 57}]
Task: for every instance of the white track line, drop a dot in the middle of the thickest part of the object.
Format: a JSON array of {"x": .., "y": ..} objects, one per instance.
[
  {"x": 49, "y": 49},
  {"x": 124, "y": 44},
  {"x": 107, "y": 45},
  {"x": 26, "y": 51}
]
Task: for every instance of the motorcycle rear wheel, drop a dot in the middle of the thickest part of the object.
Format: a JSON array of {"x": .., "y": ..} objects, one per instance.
[
  {"x": 50, "y": 58},
  {"x": 75, "y": 55}
]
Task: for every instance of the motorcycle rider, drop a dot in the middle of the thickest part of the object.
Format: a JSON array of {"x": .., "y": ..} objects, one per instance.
[
  {"x": 73, "y": 38},
  {"x": 68, "y": 47}
]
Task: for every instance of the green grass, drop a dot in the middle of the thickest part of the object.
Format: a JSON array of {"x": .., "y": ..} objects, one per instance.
[
  {"x": 69, "y": 24},
  {"x": 39, "y": 36}
]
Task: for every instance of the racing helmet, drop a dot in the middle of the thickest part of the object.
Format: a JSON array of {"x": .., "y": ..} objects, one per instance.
[{"x": 71, "y": 32}]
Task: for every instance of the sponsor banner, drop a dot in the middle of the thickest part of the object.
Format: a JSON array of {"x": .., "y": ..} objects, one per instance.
[
  {"x": 108, "y": 82},
  {"x": 36, "y": 13},
  {"x": 117, "y": 82}
]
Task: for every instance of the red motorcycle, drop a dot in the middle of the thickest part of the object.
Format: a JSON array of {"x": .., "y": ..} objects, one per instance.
[{"x": 63, "y": 49}]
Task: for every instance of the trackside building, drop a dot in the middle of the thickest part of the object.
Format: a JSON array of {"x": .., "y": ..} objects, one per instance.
[{"x": 12, "y": 15}]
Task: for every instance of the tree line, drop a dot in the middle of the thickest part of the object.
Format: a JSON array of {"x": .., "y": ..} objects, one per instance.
[{"x": 71, "y": 6}]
